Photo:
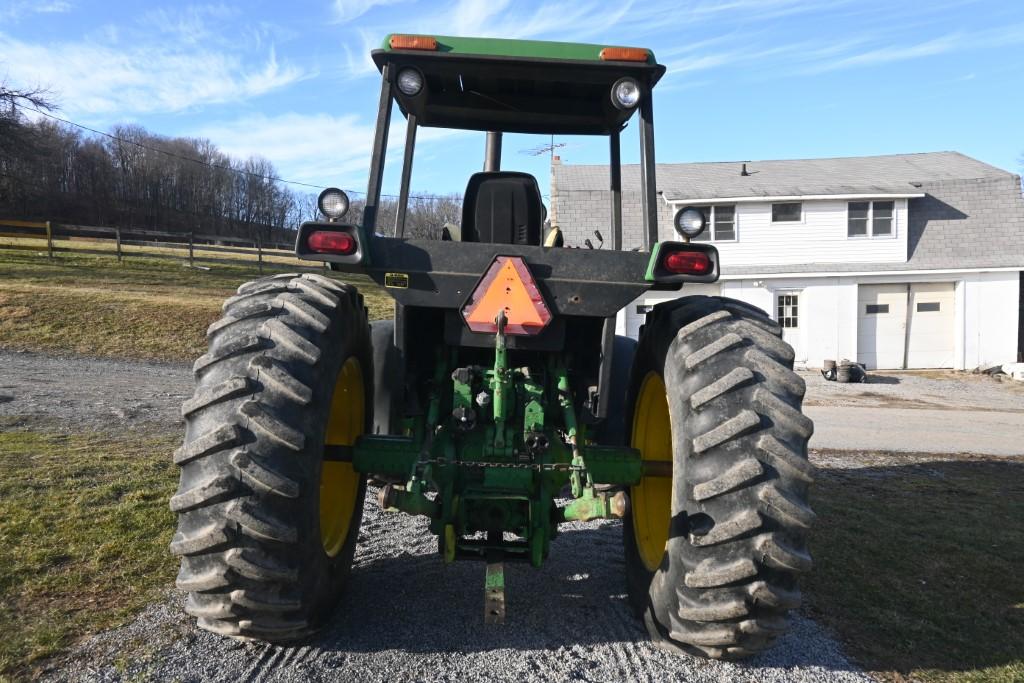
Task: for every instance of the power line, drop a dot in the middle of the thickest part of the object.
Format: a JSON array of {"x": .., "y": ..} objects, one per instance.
[
  {"x": 205, "y": 163},
  {"x": 167, "y": 153}
]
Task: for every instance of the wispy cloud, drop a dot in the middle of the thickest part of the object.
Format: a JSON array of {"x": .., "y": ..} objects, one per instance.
[
  {"x": 755, "y": 53},
  {"x": 12, "y": 11},
  {"x": 350, "y": 10},
  {"x": 168, "y": 61},
  {"x": 315, "y": 148},
  {"x": 97, "y": 79},
  {"x": 357, "y": 58},
  {"x": 754, "y": 10},
  {"x": 762, "y": 55},
  {"x": 884, "y": 55},
  {"x": 953, "y": 42},
  {"x": 192, "y": 24},
  {"x": 304, "y": 147},
  {"x": 554, "y": 20}
]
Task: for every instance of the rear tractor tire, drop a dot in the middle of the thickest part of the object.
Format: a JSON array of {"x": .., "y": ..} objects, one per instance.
[
  {"x": 713, "y": 554},
  {"x": 266, "y": 527}
]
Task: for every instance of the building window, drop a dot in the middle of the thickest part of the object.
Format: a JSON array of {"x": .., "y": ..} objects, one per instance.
[
  {"x": 857, "y": 219},
  {"x": 875, "y": 309},
  {"x": 721, "y": 224},
  {"x": 928, "y": 307},
  {"x": 787, "y": 313},
  {"x": 870, "y": 219},
  {"x": 791, "y": 212},
  {"x": 881, "y": 218}
]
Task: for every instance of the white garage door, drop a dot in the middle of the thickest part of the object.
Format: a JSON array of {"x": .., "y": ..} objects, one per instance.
[
  {"x": 887, "y": 329},
  {"x": 931, "y": 325},
  {"x": 636, "y": 312}
]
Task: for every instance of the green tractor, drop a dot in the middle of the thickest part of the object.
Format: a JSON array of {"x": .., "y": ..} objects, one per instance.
[{"x": 499, "y": 403}]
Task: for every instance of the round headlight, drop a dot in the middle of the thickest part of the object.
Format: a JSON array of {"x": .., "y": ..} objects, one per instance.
[
  {"x": 332, "y": 203},
  {"x": 410, "y": 81},
  {"x": 690, "y": 222},
  {"x": 625, "y": 93}
]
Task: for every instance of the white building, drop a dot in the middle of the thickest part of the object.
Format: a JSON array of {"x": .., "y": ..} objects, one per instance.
[{"x": 906, "y": 261}]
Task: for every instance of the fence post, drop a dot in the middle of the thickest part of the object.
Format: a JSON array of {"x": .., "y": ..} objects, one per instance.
[
  {"x": 259, "y": 253},
  {"x": 49, "y": 239},
  {"x": 191, "y": 237},
  {"x": 117, "y": 236}
]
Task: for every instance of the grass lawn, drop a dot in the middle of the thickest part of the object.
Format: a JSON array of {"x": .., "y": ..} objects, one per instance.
[
  {"x": 919, "y": 567},
  {"x": 84, "y": 528},
  {"x": 142, "y": 308}
]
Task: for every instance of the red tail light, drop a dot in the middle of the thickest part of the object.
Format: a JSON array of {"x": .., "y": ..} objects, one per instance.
[
  {"x": 331, "y": 242},
  {"x": 687, "y": 263}
]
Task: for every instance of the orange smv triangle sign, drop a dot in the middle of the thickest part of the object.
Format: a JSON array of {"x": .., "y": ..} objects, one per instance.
[{"x": 509, "y": 286}]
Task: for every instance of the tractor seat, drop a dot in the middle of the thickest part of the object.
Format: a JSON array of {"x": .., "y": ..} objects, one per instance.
[{"x": 502, "y": 207}]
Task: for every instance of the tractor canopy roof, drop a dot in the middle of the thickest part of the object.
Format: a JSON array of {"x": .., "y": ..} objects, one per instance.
[{"x": 517, "y": 86}]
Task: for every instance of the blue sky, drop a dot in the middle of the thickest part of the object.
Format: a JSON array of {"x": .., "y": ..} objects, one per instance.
[{"x": 747, "y": 79}]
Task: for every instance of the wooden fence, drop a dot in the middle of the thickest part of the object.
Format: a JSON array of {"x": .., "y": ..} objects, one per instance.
[{"x": 190, "y": 247}]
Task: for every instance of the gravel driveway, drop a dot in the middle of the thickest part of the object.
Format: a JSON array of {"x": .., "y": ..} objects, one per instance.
[
  {"x": 917, "y": 431},
  {"x": 406, "y": 616},
  {"x": 81, "y": 392},
  {"x": 409, "y": 617},
  {"x": 75, "y": 392},
  {"x": 926, "y": 390},
  {"x": 930, "y": 412}
]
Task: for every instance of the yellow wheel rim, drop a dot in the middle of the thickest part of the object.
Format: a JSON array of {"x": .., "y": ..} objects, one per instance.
[
  {"x": 652, "y": 497},
  {"x": 339, "y": 483}
]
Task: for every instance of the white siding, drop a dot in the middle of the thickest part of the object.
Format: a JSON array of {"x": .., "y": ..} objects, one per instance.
[
  {"x": 630, "y": 318},
  {"x": 984, "y": 312},
  {"x": 819, "y": 238},
  {"x": 819, "y": 329},
  {"x": 990, "y": 325}
]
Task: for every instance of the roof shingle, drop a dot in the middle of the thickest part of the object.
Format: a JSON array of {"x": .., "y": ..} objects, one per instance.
[{"x": 891, "y": 174}]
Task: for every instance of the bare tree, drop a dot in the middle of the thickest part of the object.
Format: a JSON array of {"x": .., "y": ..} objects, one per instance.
[
  {"x": 13, "y": 132},
  {"x": 133, "y": 178}
]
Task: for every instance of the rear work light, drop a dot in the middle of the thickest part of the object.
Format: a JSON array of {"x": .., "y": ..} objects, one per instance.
[
  {"x": 413, "y": 43},
  {"x": 624, "y": 54},
  {"x": 331, "y": 242},
  {"x": 687, "y": 263}
]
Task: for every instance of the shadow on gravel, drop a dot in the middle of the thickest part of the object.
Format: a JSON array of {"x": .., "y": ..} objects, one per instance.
[
  {"x": 874, "y": 378},
  {"x": 407, "y": 616},
  {"x": 917, "y": 562},
  {"x": 576, "y": 600}
]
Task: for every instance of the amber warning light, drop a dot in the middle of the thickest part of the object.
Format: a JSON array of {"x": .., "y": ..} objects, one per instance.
[
  {"x": 507, "y": 285},
  {"x": 398, "y": 42},
  {"x": 624, "y": 54}
]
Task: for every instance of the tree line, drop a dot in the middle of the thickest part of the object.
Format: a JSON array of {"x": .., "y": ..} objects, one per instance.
[{"x": 133, "y": 178}]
